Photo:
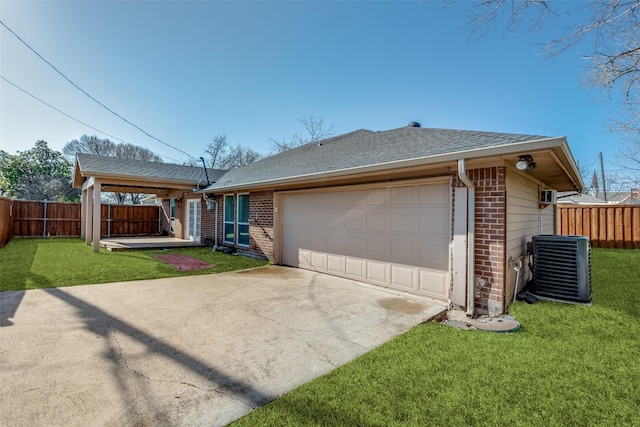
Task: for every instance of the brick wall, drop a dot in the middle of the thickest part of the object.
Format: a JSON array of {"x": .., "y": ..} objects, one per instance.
[
  {"x": 261, "y": 224},
  {"x": 490, "y": 238}
]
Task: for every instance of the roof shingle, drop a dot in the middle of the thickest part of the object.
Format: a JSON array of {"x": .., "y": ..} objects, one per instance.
[{"x": 364, "y": 148}]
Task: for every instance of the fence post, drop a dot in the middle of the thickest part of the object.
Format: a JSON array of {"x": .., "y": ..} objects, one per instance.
[
  {"x": 44, "y": 220},
  {"x": 109, "y": 221},
  {"x": 160, "y": 219}
]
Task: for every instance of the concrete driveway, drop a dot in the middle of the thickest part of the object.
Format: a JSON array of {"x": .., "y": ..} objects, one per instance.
[{"x": 200, "y": 350}]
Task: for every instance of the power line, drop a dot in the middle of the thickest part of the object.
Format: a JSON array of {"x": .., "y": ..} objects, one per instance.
[
  {"x": 68, "y": 115},
  {"x": 91, "y": 97}
]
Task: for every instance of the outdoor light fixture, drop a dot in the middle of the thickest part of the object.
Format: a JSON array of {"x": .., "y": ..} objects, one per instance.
[{"x": 526, "y": 163}]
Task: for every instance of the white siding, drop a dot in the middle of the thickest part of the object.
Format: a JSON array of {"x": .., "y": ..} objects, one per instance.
[{"x": 524, "y": 220}]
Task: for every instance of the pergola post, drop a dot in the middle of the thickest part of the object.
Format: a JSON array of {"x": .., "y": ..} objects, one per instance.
[
  {"x": 88, "y": 235},
  {"x": 96, "y": 216},
  {"x": 83, "y": 215}
]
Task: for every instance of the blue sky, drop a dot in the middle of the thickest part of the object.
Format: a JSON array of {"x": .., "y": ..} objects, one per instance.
[{"x": 187, "y": 71}]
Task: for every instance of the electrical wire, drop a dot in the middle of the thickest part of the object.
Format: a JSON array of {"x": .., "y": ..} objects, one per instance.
[
  {"x": 91, "y": 97},
  {"x": 69, "y": 116}
]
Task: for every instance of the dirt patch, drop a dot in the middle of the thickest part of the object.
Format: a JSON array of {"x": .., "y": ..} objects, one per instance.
[
  {"x": 401, "y": 305},
  {"x": 184, "y": 262}
]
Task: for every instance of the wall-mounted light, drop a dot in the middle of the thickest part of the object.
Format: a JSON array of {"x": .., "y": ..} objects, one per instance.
[{"x": 526, "y": 163}]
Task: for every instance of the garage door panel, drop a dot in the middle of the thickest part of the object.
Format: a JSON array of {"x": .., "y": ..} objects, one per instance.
[
  {"x": 404, "y": 220},
  {"x": 318, "y": 261},
  {"x": 355, "y": 243},
  {"x": 336, "y": 218},
  {"x": 434, "y": 221},
  {"x": 354, "y": 268},
  {"x": 355, "y": 198},
  {"x": 318, "y": 241},
  {"x": 337, "y": 199},
  {"x": 395, "y": 236},
  {"x": 304, "y": 258},
  {"x": 318, "y": 199},
  {"x": 403, "y": 277},
  {"x": 432, "y": 255},
  {"x": 316, "y": 218},
  {"x": 436, "y": 194},
  {"x": 356, "y": 219},
  {"x": 335, "y": 264},
  {"x": 377, "y": 272},
  {"x": 378, "y": 197},
  {"x": 405, "y": 250},
  {"x": 432, "y": 283},
  {"x": 337, "y": 242},
  {"x": 378, "y": 247},
  {"x": 378, "y": 220},
  {"x": 404, "y": 196}
]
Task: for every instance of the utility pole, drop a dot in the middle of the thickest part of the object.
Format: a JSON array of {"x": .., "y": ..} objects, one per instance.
[{"x": 604, "y": 185}]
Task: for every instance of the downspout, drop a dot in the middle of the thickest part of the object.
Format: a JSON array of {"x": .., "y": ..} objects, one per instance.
[{"x": 471, "y": 217}]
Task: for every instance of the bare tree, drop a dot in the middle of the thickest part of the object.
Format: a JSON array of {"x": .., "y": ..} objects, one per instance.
[
  {"x": 90, "y": 145},
  {"x": 216, "y": 150},
  {"x": 220, "y": 155},
  {"x": 239, "y": 156},
  {"x": 612, "y": 31},
  {"x": 316, "y": 130},
  {"x": 105, "y": 147}
]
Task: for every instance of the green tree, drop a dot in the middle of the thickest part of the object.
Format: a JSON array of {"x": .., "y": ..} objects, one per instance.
[{"x": 36, "y": 174}]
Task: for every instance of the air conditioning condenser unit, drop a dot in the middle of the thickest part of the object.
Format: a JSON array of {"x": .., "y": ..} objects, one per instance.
[{"x": 562, "y": 268}]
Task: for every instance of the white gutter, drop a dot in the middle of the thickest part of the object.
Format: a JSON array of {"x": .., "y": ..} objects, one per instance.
[{"x": 471, "y": 217}]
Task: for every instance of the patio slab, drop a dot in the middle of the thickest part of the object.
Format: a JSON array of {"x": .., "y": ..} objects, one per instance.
[{"x": 148, "y": 242}]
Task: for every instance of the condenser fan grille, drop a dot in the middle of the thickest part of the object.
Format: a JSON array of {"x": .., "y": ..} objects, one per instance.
[{"x": 562, "y": 268}]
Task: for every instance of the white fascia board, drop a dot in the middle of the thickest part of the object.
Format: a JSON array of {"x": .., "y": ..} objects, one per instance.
[
  {"x": 148, "y": 179},
  {"x": 510, "y": 149}
]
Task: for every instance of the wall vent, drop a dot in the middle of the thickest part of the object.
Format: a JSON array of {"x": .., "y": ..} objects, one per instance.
[{"x": 562, "y": 268}]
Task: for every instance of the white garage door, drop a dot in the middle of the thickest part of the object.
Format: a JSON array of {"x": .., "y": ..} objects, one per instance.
[{"x": 394, "y": 235}]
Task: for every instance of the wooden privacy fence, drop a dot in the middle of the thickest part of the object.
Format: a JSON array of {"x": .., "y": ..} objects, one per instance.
[
  {"x": 5, "y": 221},
  {"x": 608, "y": 226},
  {"x": 28, "y": 218}
]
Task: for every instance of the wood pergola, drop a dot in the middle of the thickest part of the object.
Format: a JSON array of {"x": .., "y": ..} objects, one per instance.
[
  {"x": 98, "y": 174},
  {"x": 92, "y": 190}
]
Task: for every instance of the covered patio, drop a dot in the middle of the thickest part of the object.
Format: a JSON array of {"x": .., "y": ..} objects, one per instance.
[{"x": 98, "y": 174}]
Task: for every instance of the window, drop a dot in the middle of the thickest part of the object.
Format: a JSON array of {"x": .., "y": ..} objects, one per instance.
[
  {"x": 243, "y": 219},
  {"x": 229, "y": 210}
]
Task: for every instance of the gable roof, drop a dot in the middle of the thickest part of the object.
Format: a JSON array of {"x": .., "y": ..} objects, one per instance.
[
  {"x": 88, "y": 165},
  {"x": 364, "y": 150}
]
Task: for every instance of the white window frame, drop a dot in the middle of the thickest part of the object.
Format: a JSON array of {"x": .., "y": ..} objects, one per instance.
[
  {"x": 238, "y": 223},
  {"x": 224, "y": 219}
]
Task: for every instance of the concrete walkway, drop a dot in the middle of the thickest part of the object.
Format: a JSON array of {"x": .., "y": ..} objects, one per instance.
[{"x": 200, "y": 350}]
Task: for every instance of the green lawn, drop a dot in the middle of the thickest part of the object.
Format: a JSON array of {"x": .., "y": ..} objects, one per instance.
[
  {"x": 570, "y": 365},
  {"x": 49, "y": 263}
]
